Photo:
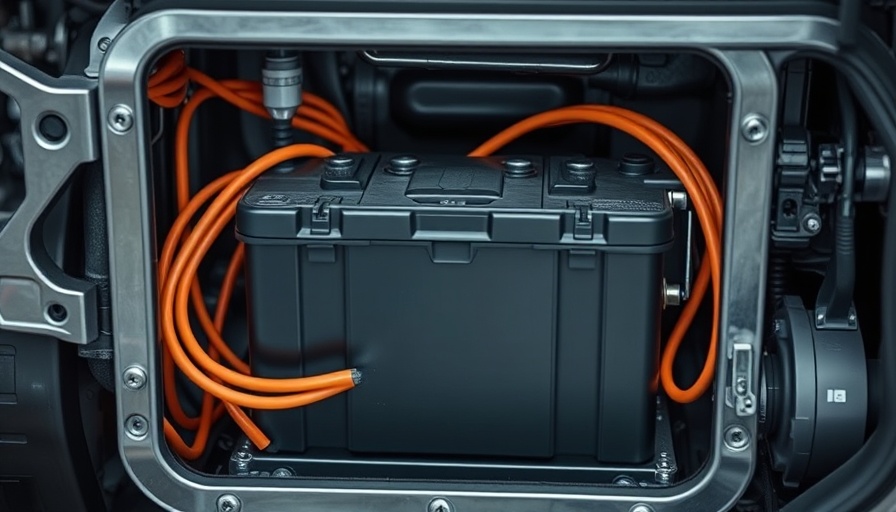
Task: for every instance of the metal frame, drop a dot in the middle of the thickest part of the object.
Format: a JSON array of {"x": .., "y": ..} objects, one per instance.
[
  {"x": 30, "y": 282},
  {"x": 740, "y": 45}
]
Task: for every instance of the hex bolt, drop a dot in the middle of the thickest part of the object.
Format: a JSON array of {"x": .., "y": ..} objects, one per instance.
[
  {"x": 136, "y": 426},
  {"x": 812, "y": 223},
  {"x": 103, "y": 44},
  {"x": 243, "y": 456},
  {"x": 403, "y": 165},
  {"x": 228, "y": 503},
  {"x": 736, "y": 438},
  {"x": 754, "y": 128},
  {"x": 641, "y": 507},
  {"x": 134, "y": 378},
  {"x": 121, "y": 119},
  {"x": 440, "y": 505}
]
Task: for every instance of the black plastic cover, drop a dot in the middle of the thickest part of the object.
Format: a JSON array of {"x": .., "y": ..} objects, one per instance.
[{"x": 490, "y": 317}]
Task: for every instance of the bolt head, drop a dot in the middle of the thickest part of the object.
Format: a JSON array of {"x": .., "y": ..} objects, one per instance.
[
  {"x": 812, "y": 223},
  {"x": 228, "y": 503},
  {"x": 134, "y": 378},
  {"x": 641, "y": 508},
  {"x": 440, "y": 505},
  {"x": 625, "y": 481},
  {"x": 136, "y": 426},
  {"x": 282, "y": 473},
  {"x": 103, "y": 44},
  {"x": 754, "y": 128},
  {"x": 736, "y": 438},
  {"x": 121, "y": 119}
]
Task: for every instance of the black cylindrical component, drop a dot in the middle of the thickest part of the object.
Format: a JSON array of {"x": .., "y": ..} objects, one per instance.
[
  {"x": 96, "y": 270},
  {"x": 648, "y": 75}
]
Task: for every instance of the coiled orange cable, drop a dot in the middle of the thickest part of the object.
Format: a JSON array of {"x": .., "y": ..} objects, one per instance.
[
  {"x": 704, "y": 196},
  {"x": 168, "y": 87},
  {"x": 323, "y": 120}
]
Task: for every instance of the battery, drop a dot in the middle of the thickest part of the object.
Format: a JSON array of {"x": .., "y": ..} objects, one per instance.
[{"x": 501, "y": 307}]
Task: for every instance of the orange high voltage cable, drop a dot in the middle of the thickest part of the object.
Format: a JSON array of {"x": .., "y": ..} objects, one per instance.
[
  {"x": 168, "y": 88},
  {"x": 704, "y": 196}
]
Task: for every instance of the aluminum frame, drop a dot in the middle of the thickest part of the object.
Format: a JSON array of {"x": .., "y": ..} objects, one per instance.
[
  {"x": 740, "y": 44},
  {"x": 30, "y": 282}
]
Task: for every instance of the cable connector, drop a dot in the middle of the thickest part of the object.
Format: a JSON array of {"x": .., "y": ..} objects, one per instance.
[{"x": 281, "y": 86}]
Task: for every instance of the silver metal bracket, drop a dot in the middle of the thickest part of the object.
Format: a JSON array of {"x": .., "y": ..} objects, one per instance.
[
  {"x": 35, "y": 295},
  {"x": 113, "y": 21},
  {"x": 740, "y": 392}
]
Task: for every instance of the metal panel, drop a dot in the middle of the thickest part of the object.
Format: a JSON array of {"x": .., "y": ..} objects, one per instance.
[
  {"x": 35, "y": 295},
  {"x": 733, "y": 41}
]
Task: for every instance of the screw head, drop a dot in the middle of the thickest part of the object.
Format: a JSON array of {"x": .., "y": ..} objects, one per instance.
[
  {"x": 812, "y": 223},
  {"x": 440, "y": 505},
  {"x": 625, "y": 481},
  {"x": 228, "y": 503},
  {"x": 103, "y": 44},
  {"x": 754, "y": 128},
  {"x": 736, "y": 438},
  {"x": 282, "y": 473},
  {"x": 641, "y": 507},
  {"x": 136, "y": 426},
  {"x": 740, "y": 387},
  {"x": 134, "y": 378},
  {"x": 121, "y": 119}
]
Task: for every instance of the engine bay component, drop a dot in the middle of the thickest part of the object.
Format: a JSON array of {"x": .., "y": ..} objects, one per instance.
[
  {"x": 488, "y": 309},
  {"x": 815, "y": 394}
]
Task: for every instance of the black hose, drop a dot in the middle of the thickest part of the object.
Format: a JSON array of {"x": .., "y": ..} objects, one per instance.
[{"x": 861, "y": 482}]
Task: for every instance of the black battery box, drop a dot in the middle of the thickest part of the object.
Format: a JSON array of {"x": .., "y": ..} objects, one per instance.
[{"x": 497, "y": 307}]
